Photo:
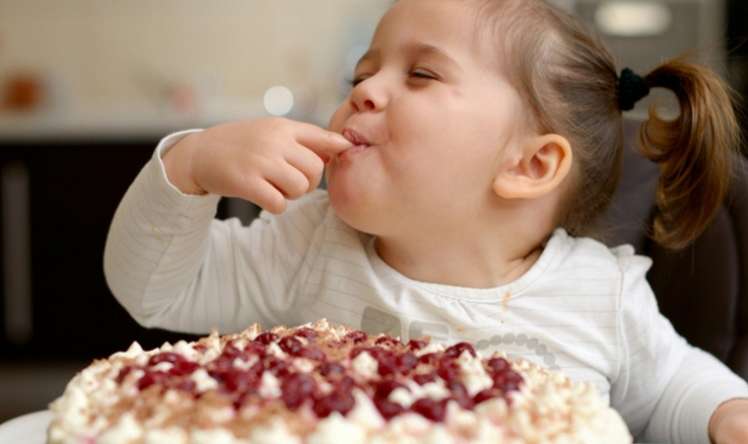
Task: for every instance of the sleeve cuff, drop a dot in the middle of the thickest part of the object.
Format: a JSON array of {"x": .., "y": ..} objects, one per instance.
[
  {"x": 708, "y": 397},
  {"x": 187, "y": 205},
  {"x": 188, "y": 208},
  {"x": 708, "y": 389}
]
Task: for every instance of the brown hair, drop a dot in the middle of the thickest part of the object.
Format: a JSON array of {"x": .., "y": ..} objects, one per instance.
[{"x": 570, "y": 81}]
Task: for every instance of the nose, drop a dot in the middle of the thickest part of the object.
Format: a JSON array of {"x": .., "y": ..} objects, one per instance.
[
  {"x": 367, "y": 105},
  {"x": 367, "y": 96}
]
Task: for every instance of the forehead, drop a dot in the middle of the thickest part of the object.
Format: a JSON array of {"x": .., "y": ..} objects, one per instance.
[{"x": 449, "y": 26}]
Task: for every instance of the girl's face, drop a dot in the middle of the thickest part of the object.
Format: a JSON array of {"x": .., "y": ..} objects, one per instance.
[{"x": 438, "y": 116}]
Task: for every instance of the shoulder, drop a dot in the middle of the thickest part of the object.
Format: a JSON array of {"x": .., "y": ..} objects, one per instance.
[{"x": 585, "y": 253}]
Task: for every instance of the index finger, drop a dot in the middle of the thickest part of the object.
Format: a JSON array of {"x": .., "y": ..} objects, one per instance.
[{"x": 323, "y": 142}]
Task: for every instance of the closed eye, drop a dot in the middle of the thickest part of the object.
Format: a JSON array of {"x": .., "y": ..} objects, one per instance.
[
  {"x": 423, "y": 75},
  {"x": 417, "y": 74}
]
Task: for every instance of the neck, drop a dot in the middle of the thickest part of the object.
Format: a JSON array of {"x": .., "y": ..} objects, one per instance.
[{"x": 463, "y": 257}]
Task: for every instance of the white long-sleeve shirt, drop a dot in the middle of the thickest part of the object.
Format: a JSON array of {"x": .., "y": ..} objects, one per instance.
[{"x": 582, "y": 308}]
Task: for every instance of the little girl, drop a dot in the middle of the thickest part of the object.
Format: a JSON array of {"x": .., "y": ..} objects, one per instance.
[{"x": 477, "y": 146}]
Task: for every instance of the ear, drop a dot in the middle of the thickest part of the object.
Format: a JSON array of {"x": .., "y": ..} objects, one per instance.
[{"x": 544, "y": 163}]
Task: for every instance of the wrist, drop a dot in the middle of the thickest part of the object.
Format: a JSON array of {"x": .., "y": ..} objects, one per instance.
[{"x": 178, "y": 165}]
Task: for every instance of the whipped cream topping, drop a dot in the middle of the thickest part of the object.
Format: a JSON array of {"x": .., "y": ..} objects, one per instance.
[
  {"x": 203, "y": 381},
  {"x": 201, "y": 393},
  {"x": 365, "y": 365},
  {"x": 474, "y": 375}
]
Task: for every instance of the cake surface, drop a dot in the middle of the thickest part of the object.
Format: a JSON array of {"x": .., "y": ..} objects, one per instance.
[{"x": 322, "y": 383}]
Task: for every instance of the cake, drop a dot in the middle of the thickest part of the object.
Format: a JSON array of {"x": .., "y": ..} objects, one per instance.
[{"x": 323, "y": 383}]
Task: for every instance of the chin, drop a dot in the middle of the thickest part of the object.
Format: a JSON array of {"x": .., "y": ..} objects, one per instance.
[{"x": 354, "y": 208}]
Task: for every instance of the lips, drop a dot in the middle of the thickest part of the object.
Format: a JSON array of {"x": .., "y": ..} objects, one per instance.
[{"x": 355, "y": 137}]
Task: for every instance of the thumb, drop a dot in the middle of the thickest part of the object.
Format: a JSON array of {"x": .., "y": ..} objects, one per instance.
[{"x": 323, "y": 142}]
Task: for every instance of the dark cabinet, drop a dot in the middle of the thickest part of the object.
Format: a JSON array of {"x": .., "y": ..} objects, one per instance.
[
  {"x": 57, "y": 314},
  {"x": 59, "y": 199}
]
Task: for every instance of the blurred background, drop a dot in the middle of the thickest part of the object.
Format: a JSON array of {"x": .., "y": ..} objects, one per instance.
[{"x": 88, "y": 87}]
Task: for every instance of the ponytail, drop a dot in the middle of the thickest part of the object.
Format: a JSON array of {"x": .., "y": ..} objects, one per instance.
[
  {"x": 695, "y": 152},
  {"x": 569, "y": 80}
]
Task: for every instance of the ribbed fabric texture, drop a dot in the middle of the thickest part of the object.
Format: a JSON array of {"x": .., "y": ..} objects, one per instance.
[{"x": 583, "y": 309}]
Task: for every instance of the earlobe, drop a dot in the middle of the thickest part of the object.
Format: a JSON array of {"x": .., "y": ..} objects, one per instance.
[{"x": 545, "y": 162}]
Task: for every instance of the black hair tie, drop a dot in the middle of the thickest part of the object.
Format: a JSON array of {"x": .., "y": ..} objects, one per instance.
[{"x": 631, "y": 89}]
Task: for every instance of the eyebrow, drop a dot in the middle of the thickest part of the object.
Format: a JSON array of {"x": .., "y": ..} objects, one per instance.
[{"x": 417, "y": 49}]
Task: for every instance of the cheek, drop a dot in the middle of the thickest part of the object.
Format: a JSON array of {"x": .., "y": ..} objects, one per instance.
[
  {"x": 458, "y": 156},
  {"x": 449, "y": 140},
  {"x": 338, "y": 118}
]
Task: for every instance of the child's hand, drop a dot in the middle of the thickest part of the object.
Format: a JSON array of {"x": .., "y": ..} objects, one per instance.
[
  {"x": 264, "y": 161},
  {"x": 729, "y": 423}
]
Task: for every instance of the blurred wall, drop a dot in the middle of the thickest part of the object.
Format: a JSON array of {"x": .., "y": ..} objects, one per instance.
[{"x": 117, "y": 55}]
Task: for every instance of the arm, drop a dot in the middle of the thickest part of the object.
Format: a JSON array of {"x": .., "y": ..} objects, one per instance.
[
  {"x": 171, "y": 265},
  {"x": 666, "y": 389}
]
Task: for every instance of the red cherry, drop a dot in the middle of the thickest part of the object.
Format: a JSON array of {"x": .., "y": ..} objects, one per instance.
[
  {"x": 387, "y": 364},
  {"x": 448, "y": 370},
  {"x": 346, "y": 383},
  {"x": 356, "y": 336},
  {"x": 150, "y": 378},
  {"x": 266, "y": 338},
  {"x": 387, "y": 341},
  {"x": 507, "y": 381},
  {"x": 514, "y": 381},
  {"x": 242, "y": 398},
  {"x": 424, "y": 378},
  {"x": 430, "y": 409},
  {"x": 255, "y": 349},
  {"x": 496, "y": 365},
  {"x": 460, "y": 394},
  {"x": 485, "y": 395},
  {"x": 388, "y": 409},
  {"x": 123, "y": 373},
  {"x": 165, "y": 357},
  {"x": 499, "y": 379},
  {"x": 290, "y": 345},
  {"x": 331, "y": 370},
  {"x": 222, "y": 363},
  {"x": 182, "y": 368},
  {"x": 456, "y": 350},
  {"x": 230, "y": 350},
  {"x": 186, "y": 385},
  {"x": 237, "y": 380},
  {"x": 356, "y": 351},
  {"x": 305, "y": 332},
  {"x": 239, "y": 401},
  {"x": 296, "y": 389},
  {"x": 385, "y": 387},
  {"x": 278, "y": 367},
  {"x": 336, "y": 401},
  {"x": 313, "y": 353},
  {"x": 406, "y": 362},
  {"x": 428, "y": 358}
]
